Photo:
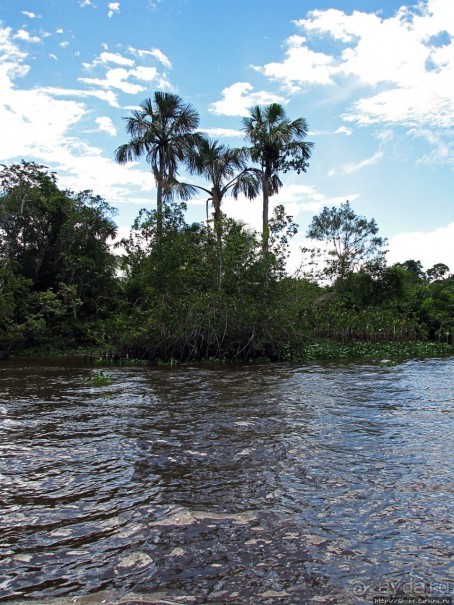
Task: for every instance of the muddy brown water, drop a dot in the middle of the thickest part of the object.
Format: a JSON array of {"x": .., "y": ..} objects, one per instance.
[{"x": 318, "y": 483}]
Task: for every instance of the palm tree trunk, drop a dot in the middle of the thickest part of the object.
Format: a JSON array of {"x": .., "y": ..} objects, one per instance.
[
  {"x": 265, "y": 215},
  {"x": 217, "y": 216},
  {"x": 217, "y": 219},
  {"x": 159, "y": 200}
]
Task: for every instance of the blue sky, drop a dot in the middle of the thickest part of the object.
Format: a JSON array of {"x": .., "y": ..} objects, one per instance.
[{"x": 373, "y": 79}]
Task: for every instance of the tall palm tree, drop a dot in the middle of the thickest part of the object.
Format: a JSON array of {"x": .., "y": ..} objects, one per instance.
[
  {"x": 162, "y": 130},
  {"x": 277, "y": 144},
  {"x": 226, "y": 170}
]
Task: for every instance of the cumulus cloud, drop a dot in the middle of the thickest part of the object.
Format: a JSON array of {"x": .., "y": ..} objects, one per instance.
[
  {"x": 297, "y": 199},
  {"x": 119, "y": 70},
  {"x": 106, "y": 125},
  {"x": 306, "y": 198},
  {"x": 401, "y": 67},
  {"x": 343, "y": 130},
  {"x": 114, "y": 7},
  {"x": 33, "y": 120},
  {"x": 116, "y": 78},
  {"x": 239, "y": 97},
  {"x": 302, "y": 66},
  {"x": 42, "y": 124},
  {"x": 430, "y": 247},
  {"x": 24, "y": 35}
]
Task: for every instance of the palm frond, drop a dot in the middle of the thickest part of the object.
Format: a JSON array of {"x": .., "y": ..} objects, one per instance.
[{"x": 175, "y": 189}]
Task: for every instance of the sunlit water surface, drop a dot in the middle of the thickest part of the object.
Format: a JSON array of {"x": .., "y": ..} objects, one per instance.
[{"x": 274, "y": 483}]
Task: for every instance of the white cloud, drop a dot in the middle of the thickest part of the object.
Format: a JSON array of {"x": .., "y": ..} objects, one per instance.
[
  {"x": 31, "y": 15},
  {"x": 301, "y": 66},
  {"x": 107, "y": 57},
  {"x": 114, "y": 7},
  {"x": 33, "y": 121},
  {"x": 104, "y": 95},
  {"x": 429, "y": 247},
  {"x": 352, "y": 167},
  {"x": 305, "y": 198},
  {"x": 340, "y": 130},
  {"x": 115, "y": 78},
  {"x": 401, "y": 67},
  {"x": 222, "y": 132},
  {"x": 119, "y": 77},
  {"x": 162, "y": 83},
  {"x": 161, "y": 57},
  {"x": 10, "y": 54},
  {"x": 239, "y": 97},
  {"x": 23, "y": 34},
  {"x": 106, "y": 125},
  {"x": 154, "y": 52},
  {"x": 296, "y": 198},
  {"x": 146, "y": 74},
  {"x": 441, "y": 143},
  {"x": 418, "y": 105},
  {"x": 54, "y": 57},
  {"x": 38, "y": 124},
  {"x": 343, "y": 130}
]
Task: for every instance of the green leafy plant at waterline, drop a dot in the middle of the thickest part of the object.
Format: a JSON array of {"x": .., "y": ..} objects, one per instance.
[{"x": 99, "y": 379}]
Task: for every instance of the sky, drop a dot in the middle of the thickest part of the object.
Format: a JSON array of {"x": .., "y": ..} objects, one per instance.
[{"x": 374, "y": 80}]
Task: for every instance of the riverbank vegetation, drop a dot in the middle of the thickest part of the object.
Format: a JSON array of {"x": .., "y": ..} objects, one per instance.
[{"x": 178, "y": 291}]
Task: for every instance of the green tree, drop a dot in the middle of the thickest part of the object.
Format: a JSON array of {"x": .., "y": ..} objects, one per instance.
[
  {"x": 438, "y": 271},
  {"x": 277, "y": 144},
  {"x": 414, "y": 267},
  {"x": 32, "y": 211},
  {"x": 56, "y": 243},
  {"x": 162, "y": 130},
  {"x": 351, "y": 241},
  {"x": 226, "y": 170}
]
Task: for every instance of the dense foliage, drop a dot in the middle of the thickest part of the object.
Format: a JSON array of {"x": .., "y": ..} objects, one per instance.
[
  {"x": 176, "y": 291},
  {"x": 57, "y": 272}
]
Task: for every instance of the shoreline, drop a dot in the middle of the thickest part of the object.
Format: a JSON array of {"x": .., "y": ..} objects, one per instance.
[{"x": 384, "y": 353}]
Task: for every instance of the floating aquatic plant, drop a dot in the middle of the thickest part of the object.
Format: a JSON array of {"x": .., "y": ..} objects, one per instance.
[{"x": 99, "y": 379}]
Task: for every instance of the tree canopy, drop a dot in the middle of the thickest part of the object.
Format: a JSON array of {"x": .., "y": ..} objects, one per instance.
[
  {"x": 162, "y": 130},
  {"x": 351, "y": 241},
  {"x": 277, "y": 144},
  {"x": 180, "y": 291}
]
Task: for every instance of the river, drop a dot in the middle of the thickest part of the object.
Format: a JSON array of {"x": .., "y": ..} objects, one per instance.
[{"x": 317, "y": 483}]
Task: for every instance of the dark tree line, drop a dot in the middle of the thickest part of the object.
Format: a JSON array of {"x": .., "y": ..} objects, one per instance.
[{"x": 214, "y": 289}]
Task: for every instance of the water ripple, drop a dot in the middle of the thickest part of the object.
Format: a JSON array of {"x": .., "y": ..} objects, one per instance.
[{"x": 195, "y": 485}]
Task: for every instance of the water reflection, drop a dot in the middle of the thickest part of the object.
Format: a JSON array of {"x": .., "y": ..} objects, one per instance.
[{"x": 235, "y": 485}]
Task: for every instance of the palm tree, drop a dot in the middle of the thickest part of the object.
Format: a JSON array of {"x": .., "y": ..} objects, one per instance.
[
  {"x": 277, "y": 144},
  {"x": 225, "y": 169},
  {"x": 162, "y": 130}
]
